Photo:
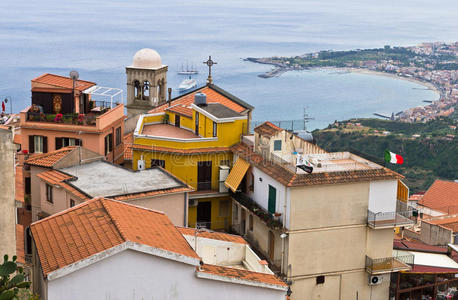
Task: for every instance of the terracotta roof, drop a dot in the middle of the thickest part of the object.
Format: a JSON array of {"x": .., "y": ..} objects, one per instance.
[
  {"x": 416, "y": 197},
  {"x": 450, "y": 223},
  {"x": 430, "y": 269},
  {"x": 180, "y": 151},
  {"x": 55, "y": 177},
  {"x": 49, "y": 159},
  {"x": 62, "y": 82},
  {"x": 19, "y": 184},
  {"x": 214, "y": 95},
  {"x": 100, "y": 224},
  {"x": 267, "y": 129},
  {"x": 153, "y": 193},
  {"x": 241, "y": 274},
  {"x": 128, "y": 140},
  {"x": 213, "y": 235},
  {"x": 181, "y": 109},
  {"x": 403, "y": 244},
  {"x": 20, "y": 252},
  {"x": 289, "y": 178},
  {"x": 442, "y": 195},
  {"x": 17, "y": 139}
]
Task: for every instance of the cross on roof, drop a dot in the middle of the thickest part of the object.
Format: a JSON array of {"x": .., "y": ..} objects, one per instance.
[{"x": 210, "y": 63}]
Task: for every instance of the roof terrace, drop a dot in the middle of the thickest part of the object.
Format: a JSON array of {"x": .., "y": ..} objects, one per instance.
[{"x": 169, "y": 131}]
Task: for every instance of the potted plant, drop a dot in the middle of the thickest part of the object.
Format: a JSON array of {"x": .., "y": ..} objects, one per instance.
[
  {"x": 80, "y": 119},
  {"x": 58, "y": 118}
]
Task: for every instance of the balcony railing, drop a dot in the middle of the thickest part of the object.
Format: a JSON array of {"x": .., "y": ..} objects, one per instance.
[
  {"x": 250, "y": 204},
  {"x": 389, "y": 264},
  {"x": 389, "y": 219},
  {"x": 97, "y": 108}
]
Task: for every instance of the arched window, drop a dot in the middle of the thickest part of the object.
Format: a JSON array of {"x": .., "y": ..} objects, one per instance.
[
  {"x": 137, "y": 89},
  {"x": 146, "y": 88}
]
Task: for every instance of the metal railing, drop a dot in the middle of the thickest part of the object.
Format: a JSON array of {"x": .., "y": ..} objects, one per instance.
[
  {"x": 271, "y": 221},
  {"x": 389, "y": 264},
  {"x": 389, "y": 219},
  {"x": 73, "y": 119}
]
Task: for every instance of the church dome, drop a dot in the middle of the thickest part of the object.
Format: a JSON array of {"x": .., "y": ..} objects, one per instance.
[{"x": 147, "y": 59}]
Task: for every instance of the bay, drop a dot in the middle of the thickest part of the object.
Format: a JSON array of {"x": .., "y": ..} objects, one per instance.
[{"x": 99, "y": 38}]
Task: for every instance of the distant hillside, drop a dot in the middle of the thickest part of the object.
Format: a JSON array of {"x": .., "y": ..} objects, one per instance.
[{"x": 429, "y": 149}]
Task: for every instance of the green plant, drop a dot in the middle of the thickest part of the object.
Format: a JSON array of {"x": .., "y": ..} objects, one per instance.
[{"x": 11, "y": 286}]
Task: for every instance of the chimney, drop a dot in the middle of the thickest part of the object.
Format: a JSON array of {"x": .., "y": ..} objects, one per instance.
[
  {"x": 200, "y": 99},
  {"x": 170, "y": 95}
]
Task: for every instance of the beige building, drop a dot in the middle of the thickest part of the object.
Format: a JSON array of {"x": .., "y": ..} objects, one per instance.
[
  {"x": 325, "y": 221},
  {"x": 7, "y": 199}
]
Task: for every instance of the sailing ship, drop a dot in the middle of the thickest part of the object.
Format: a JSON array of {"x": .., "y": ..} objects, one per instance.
[{"x": 188, "y": 71}]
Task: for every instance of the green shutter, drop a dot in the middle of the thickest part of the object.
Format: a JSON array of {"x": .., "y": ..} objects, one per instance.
[{"x": 272, "y": 199}]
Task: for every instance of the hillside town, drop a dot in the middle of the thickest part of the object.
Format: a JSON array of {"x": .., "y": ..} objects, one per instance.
[
  {"x": 179, "y": 198},
  {"x": 434, "y": 65}
]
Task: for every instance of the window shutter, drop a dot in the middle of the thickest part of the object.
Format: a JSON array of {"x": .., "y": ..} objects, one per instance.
[
  {"x": 45, "y": 144},
  {"x": 58, "y": 143},
  {"x": 31, "y": 144}
]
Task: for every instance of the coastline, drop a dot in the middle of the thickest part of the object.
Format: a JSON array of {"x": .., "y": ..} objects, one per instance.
[{"x": 428, "y": 85}]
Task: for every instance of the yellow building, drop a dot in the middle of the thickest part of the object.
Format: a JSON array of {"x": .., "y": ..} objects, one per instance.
[{"x": 190, "y": 136}]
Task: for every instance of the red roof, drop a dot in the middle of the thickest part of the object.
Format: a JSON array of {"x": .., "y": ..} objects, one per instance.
[
  {"x": 181, "y": 109},
  {"x": 49, "y": 159},
  {"x": 442, "y": 195},
  {"x": 431, "y": 269},
  {"x": 100, "y": 224},
  {"x": 214, "y": 95},
  {"x": 128, "y": 140},
  {"x": 267, "y": 129},
  {"x": 213, "y": 235},
  {"x": 418, "y": 246},
  {"x": 62, "y": 82},
  {"x": 241, "y": 274}
]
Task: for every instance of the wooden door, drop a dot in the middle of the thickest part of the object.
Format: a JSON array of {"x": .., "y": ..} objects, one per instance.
[
  {"x": 204, "y": 175},
  {"x": 177, "y": 120},
  {"x": 204, "y": 212}
]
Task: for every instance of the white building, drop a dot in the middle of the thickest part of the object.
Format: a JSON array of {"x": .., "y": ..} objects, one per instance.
[{"x": 106, "y": 249}]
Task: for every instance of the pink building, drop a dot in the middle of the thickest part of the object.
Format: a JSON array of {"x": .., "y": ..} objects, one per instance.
[{"x": 63, "y": 114}]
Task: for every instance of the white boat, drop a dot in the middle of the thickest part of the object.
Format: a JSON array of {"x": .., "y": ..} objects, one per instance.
[
  {"x": 187, "y": 71},
  {"x": 187, "y": 84}
]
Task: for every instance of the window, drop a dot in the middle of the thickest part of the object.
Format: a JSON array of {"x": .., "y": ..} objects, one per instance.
[
  {"x": 157, "y": 163},
  {"x": 177, "y": 121},
  {"x": 251, "y": 182},
  {"x": 215, "y": 127},
  {"x": 118, "y": 136},
  {"x": 272, "y": 199},
  {"x": 28, "y": 186},
  {"x": 108, "y": 143},
  {"x": 49, "y": 193},
  {"x": 38, "y": 144},
  {"x": 277, "y": 145},
  {"x": 64, "y": 142},
  {"x": 72, "y": 202},
  {"x": 250, "y": 222},
  {"x": 224, "y": 208},
  {"x": 319, "y": 279},
  {"x": 197, "y": 123}
]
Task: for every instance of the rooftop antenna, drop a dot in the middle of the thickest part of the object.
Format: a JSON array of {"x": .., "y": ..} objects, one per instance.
[
  {"x": 74, "y": 75},
  {"x": 307, "y": 118}
]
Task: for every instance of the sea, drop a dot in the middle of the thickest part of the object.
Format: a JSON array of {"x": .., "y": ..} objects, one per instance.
[{"x": 98, "y": 38}]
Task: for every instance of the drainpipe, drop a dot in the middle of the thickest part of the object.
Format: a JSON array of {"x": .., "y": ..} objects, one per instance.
[
  {"x": 283, "y": 242},
  {"x": 170, "y": 96},
  {"x": 113, "y": 143}
]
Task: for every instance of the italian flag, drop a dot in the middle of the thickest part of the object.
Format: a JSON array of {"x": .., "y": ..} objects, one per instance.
[{"x": 393, "y": 158}]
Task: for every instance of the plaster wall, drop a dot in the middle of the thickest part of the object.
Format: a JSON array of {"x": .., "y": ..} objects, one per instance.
[
  {"x": 383, "y": 195},
  {"x": 7, "y": 196},
  {"x": 35, "y": 189},
  {"x": 320, "y": 206},
  {"x": 134, "y": 275},
  {"x": 173, "y": 205},
  {"x": 436, "y": 235}
]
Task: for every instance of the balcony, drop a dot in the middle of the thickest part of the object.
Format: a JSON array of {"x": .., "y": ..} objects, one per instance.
[
  {"x": 389, "y": 264},
  {"x": 384, "y": 220},
  {"x": 270, "y": 220},
  {"x": 99, "y": 117}
]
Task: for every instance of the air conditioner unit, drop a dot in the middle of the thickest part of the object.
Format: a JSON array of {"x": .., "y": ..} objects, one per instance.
[
  {"x": 374, "y": 280},
  {"x": 193, "y": 202}
]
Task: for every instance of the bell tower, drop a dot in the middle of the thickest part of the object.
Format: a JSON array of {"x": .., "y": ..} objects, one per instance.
[{"x": 146, "y": 82}]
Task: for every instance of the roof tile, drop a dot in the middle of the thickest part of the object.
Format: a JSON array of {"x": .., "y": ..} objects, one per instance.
[
  {"x": 267, "y": 129},
  {"x": 212, "y": 235},
  {"x": 63, "y": 82},
  {"x": 100, "y": 224},
  {"x": 49, "y": 159},
  {"x": 442, "y": 195}
]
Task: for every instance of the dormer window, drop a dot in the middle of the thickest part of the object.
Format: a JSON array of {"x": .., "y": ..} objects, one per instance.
[{"x": 277, "y": 145}]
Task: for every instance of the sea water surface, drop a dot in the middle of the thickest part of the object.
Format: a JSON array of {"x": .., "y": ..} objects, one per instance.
[{"x": 99, "y": 38}]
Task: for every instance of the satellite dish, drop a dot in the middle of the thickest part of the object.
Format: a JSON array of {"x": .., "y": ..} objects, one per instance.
[{"x": 74, "y": 75}]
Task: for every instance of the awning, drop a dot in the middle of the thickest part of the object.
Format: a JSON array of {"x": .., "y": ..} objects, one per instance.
[{"x": 236, "y": 175}]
